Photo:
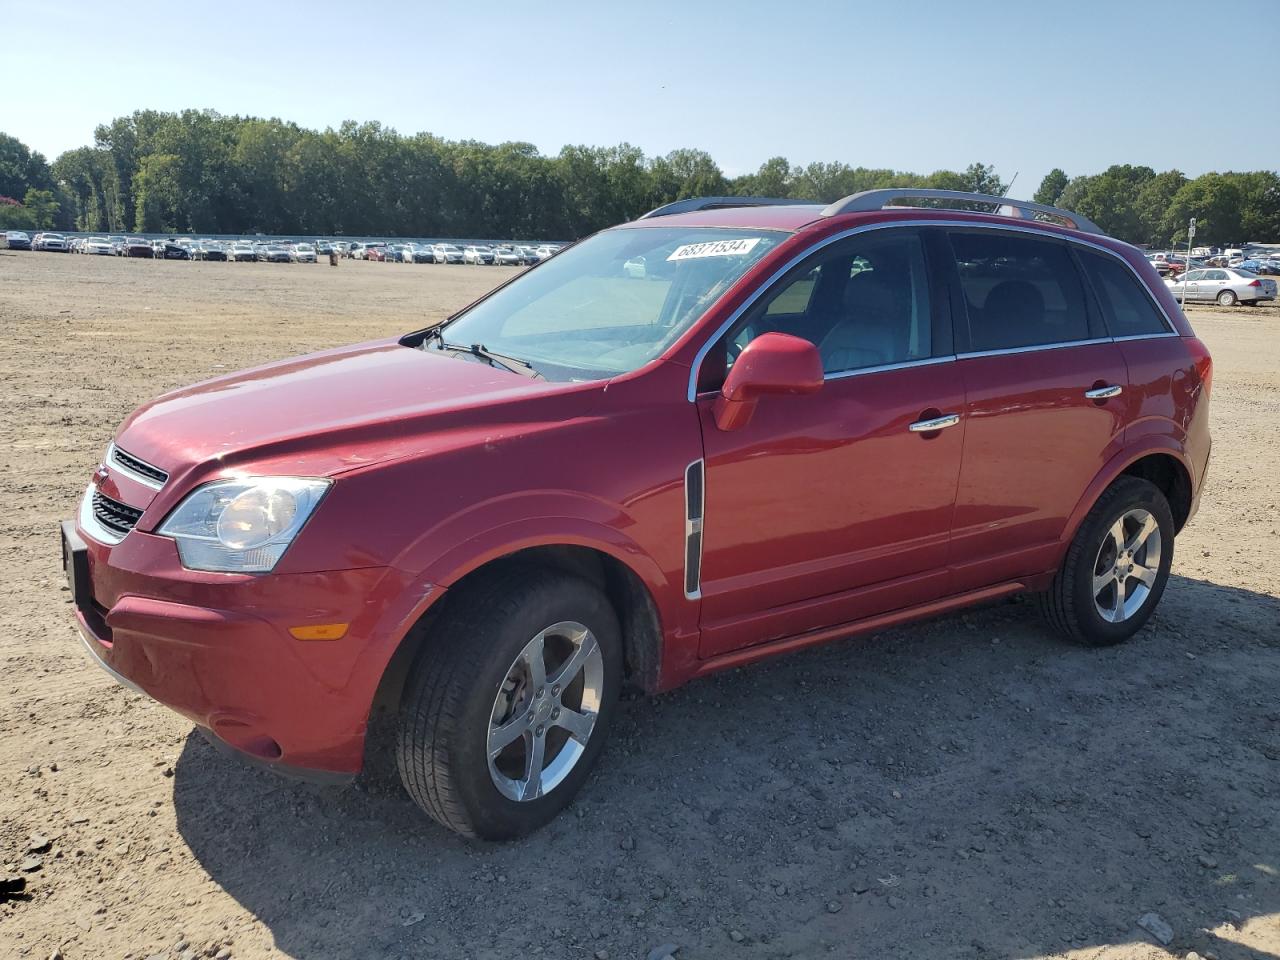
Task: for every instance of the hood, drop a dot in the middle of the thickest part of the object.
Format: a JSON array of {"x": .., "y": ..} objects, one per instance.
[{"x": 325, "y": 413}]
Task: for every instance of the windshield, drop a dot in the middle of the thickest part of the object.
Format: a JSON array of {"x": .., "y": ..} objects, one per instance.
[{"x": 612, "y": 303}]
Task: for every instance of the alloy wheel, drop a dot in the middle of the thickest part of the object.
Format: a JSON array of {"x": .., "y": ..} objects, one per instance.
[
  {"x": 545, "y": 711},
  {"x": 1127, "y": 565}
]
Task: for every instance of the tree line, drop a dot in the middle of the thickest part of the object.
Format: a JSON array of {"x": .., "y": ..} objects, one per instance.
[{"x": 199, "y": 171}]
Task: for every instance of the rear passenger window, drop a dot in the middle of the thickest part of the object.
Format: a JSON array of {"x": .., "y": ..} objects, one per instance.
[
  {"x": 1128, "y": 308},
  {"x": 1019, "y": 291}
]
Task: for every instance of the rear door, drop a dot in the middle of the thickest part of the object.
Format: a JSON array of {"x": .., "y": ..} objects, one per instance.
[
  {"x": 1214, "y": 282},
  {"x": 1156, "y": 398},
  {"x": 1044, "y": 411}
]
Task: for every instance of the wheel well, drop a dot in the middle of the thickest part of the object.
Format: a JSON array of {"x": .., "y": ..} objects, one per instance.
[
  {"x": 637, "y": 615},
  {"x": 1167, "y": 473}
]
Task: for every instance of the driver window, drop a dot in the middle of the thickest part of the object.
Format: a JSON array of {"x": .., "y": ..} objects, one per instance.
[{"x": 864, "y": 303}]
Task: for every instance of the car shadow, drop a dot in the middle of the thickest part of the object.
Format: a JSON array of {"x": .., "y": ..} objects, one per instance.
[{"x": 968, "y": 787}]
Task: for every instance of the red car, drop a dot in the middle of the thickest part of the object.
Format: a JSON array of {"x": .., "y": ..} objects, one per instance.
[
  {"x": 728, "y": 430},
  {"x": 376, "y": 251}
]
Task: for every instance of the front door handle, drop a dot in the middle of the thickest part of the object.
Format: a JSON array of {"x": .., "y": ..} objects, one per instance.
[
  {"x": 935, "y": 423},
  {"x": 1104, "y": 393}
]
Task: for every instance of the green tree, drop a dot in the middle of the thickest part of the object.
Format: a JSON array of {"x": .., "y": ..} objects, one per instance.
[
  {"x": 1154, "y": 198},
  {"x": 21, "y": 169},
  {"x": 43, "y": 207},
  {"x": 1110, "y": 199},
  {"x": 1215, "y": 201},
  {"x": 1051, "y": 187},
  {"x": 773, "y": 179},
  {"x": 14, "y": 216},
  {"x": 1259, "y": 205}
]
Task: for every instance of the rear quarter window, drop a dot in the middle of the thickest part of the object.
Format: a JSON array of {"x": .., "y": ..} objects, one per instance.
[{"x": 1127, "y": 308}]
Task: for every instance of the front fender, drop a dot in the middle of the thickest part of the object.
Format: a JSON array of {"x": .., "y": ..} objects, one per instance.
[{"x": 465, "y": 541}]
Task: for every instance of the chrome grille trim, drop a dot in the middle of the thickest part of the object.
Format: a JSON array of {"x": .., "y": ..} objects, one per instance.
[
  {"x": 89, "y": 524},
  {"x": 136, "y": 468},
  {"x": 117, "y": 517}
]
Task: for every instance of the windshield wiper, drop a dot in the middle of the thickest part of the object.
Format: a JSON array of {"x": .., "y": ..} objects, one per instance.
[{"x": 513, "y": 364}]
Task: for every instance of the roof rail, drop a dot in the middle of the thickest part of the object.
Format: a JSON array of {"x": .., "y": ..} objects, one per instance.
[
  {"x": 716, "y": 203},
  {"x": 1019, "y": 209}
]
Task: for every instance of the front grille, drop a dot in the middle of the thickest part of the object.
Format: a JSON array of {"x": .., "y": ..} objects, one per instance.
[
  {"x": 114, "y": 515},
  {"x": 132, "y": 463}
]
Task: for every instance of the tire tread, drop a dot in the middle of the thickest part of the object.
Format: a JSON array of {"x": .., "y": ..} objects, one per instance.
[
  {"x": 1057, "y": 604},
  {"x": 441, "y": 684}
]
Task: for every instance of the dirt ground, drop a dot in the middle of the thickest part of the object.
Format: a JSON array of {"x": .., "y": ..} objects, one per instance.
[{"x": 968, "y": 788}]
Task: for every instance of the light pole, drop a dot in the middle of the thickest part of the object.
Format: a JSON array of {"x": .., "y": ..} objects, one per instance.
[{"x": 1191, "y": 234}]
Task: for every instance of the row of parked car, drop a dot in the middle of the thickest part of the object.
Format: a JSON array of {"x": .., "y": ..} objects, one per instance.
[
  {"x": 502, "y": 255},
  {"x": 1227, "y": 277},
  {"x": 1259, "y": 261},
  {"x": 187, "y": 248}
]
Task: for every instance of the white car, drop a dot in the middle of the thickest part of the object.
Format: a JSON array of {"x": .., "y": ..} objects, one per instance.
[
  {"x": 303, "y": 253},
  {"x": 241, "y": 250},
  {"x": 1224, "y": 285},
  {"x": 51, "y": 243},
  {"x": 507, "y": 257},
  {"x": 477, "y": 254},
  {"x": 447, "y": 253},
  {"x": 99, "y": 245}
]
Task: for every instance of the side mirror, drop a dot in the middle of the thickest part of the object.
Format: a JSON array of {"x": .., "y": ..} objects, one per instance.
[{"x": 773, "y": 363}]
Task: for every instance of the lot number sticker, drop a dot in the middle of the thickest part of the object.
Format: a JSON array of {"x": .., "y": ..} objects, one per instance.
[{"x": 714, "y": 248}]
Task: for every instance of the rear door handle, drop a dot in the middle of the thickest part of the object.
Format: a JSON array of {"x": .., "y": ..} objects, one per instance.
[
  {"x": 1104, "y": 393},
  {"x": 936, "y": 423}
]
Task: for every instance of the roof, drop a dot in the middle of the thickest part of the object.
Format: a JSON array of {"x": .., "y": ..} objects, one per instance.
[
  {"x": 790, "y": 217},
  {"x": 783, "y": 214}
]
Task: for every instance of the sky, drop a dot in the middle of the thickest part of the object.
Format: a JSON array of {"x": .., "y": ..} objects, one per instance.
[{"x": 917, "y": 86}]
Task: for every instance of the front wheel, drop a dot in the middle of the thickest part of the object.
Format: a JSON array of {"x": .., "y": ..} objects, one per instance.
[
  {"x": 509, "y": 702},
  {"x": 1227, "y": 298},
  {"x": 1116, "y": 567}
]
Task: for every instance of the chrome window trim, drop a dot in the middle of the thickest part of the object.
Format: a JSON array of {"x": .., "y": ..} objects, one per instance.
[
  {"x": 881, "y": 368},
  {"x": 116, "y": 464},
  {"x": 696, "y": 366},
  {"x": 1034, "y": 347},
  {"x": 89, "y": 524},
  {"x": 1147, "y": 336}
]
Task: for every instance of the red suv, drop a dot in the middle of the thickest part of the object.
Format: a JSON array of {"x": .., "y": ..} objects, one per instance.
[{"x": 733, "y": 428}]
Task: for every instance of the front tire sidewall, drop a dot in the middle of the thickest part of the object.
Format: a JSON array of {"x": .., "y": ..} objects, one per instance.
[
  {"x": 493, "y": 816},
  {"x": 1102, "y": 632}
]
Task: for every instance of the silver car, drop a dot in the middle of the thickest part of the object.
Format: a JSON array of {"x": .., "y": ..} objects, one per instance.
[{"x": 1226, "y": 285}]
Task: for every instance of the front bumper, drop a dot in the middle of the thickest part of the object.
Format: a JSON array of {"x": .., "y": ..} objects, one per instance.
[{"x": 217, "y": 649}]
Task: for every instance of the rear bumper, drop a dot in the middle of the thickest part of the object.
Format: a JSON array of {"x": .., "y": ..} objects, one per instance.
[{"x": 217, "y": 649}]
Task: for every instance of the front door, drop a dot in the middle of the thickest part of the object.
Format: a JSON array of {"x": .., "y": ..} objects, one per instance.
[
  {"x": 828, "y": 508},
  {"x": 1193, "y": 283}
]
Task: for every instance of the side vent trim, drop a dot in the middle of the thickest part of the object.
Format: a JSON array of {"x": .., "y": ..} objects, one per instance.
[{"x": 695, "y": 496}]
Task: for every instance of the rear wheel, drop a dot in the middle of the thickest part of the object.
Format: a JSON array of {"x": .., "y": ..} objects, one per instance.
[
  {"x": 509, "y": 703},
  {"x": 1116, "y": 568},
  {"x": 1227, "y": 298}
]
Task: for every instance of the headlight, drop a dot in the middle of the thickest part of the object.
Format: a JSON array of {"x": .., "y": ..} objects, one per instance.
[{"x": 242, "y": 526}]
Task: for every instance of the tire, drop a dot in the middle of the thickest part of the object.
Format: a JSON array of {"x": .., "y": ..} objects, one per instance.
[
  {"x": 463, "y": 679},
  {"x": 1227, "y": 298},
  {"x": 1072, "y": 607}
]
